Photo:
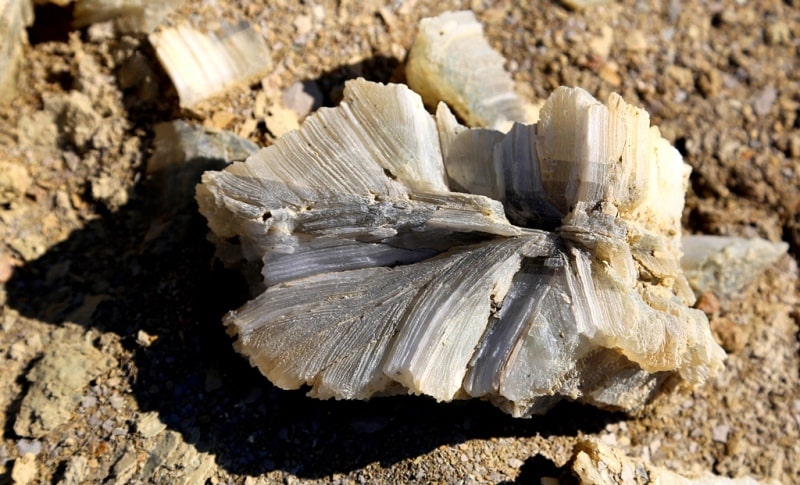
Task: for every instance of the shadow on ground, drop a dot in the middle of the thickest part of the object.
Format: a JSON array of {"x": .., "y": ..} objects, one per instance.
[{"x": 157, "y": 273}]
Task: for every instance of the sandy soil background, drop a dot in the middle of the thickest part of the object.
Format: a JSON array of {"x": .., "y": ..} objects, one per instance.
[{"x": 111, "y": 298}]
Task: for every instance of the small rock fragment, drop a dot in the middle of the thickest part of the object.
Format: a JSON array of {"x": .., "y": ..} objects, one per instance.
[
  {"x": 145, "y": 339},
  {"x": 76, "y": 472},
  {"x": 725, "y": 265},
  {"x": 14, "y": 182},
  {"x": 204, "y": 65},
  {"x": 125, "y": 467},
  {"x": 110, "y": 191},
  {"x": 6, "y": 268},
  {"x": 165, "y": 446},
  {"x": 302, "y": 97},
  {"x": 281, "y": 120},
  {"x": 150, "y": 425},
  {"x": 56, "y": 384},
  {"x": 29, "y": 447},
  {"x": 762, "y": 103},
  {"x": 24, "y": 470}
]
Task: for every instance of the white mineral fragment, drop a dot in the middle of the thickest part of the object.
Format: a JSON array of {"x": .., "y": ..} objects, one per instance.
[
  {"x": 403, "y": 253},
  {"x": 451, "y": 61},
  {"x": 204, "y": 65},
  {"x": 15, "y": 15}
]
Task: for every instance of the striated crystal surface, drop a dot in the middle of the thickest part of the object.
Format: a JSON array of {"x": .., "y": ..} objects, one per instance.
[{"x": 404, "y": 253}]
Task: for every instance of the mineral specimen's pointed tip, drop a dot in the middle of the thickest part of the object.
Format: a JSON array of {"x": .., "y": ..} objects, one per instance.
[{"x": 560, "y": 279}]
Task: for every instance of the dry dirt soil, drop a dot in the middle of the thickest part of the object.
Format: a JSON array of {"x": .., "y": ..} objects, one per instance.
[{"x": 111, "y": 298}]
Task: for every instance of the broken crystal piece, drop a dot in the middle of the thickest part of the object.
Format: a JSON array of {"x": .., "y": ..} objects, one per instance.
[
  {"x": 451, "y": 61},
  {"x": 204, "y": 65},
  {"x": 558, "y": 278}
]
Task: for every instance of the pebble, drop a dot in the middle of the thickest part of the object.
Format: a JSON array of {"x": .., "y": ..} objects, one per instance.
[
  {"x": 14, "y": 181},
  {"x": 281, "y": 120},
  {"x": 720, "y": 433},
  {"x": 302, "y": 98},
  {"x": 76, "y": 472},
  {"x": 763, "y": 101},
  {"x": 6, "y": 268},
  {"x": 29, "y": 447},
  {"x": 24, "y": 470},
  {"x": 150, "y": 425}
]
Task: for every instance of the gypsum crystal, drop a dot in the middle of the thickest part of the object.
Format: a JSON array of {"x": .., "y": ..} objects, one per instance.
[
  {"x": 15, "y": 16},
  {"x": 558, "y": 279},
  {"x": 451, "y": 61},
  {"x": 204, "y": 65}
]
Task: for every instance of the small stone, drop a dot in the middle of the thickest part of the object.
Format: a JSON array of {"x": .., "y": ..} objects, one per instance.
[
  {"x": 165, "y": 446},
  {"x": 125, "y": 466},
  {"x": 609, "y": 73},
  {"x": 720, "y": 433},
  {"x": 117, "y": 402},
  {"x": 763, "y": 101},
  {"x": 303, "y": 24},
  {"x": 150, "y": 425},
  {"x": 222, "y": 119},
  {"x": 731, "y": 337},
  {"x": 302, "y": 97},
  {"x": 601, "y": 45},
  {"x": 794, "y": 146},
  {"x": 110, "y": 191},
  {"x": 777, "y": 33},
  {"x": 281, "y": 120},
  {"x": 144, "y": 339},
  {"x": 6, "y": 268},
  {"x": 636, "y": 41},
  {"x": 14, "y": 181},
  {"x": 24, "y": 470},
  {"x": 77, "y": 471},
  {"x": 708, "y": 303}
]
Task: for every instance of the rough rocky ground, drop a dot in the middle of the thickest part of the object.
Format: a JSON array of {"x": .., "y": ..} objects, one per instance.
[{"x": 113, "y": 364}]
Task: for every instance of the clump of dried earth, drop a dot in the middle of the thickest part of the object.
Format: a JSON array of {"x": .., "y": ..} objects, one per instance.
[{"x": 115, "y": 367}]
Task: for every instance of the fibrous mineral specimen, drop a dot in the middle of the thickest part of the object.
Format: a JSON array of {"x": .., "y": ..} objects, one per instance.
[{"x": 404, "y": 253}]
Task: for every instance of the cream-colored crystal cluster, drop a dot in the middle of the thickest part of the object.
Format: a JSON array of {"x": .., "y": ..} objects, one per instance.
[{"x": 402, "y": 252}]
